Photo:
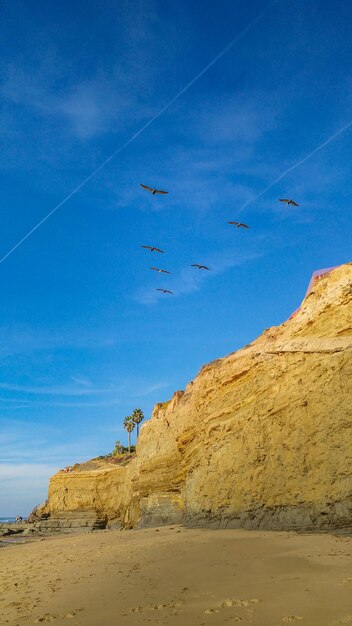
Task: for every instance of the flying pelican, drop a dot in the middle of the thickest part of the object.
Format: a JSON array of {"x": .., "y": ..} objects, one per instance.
[
  {"x": 287, "y": 201},
  {"x": 153, "y": 191},
  {"x": 239, "y": 224},
  {"x": 200, "y": 267},
  {"x": 153, "y": 249},
  {"x": 165, "y": 291},
  {"x": 156, "y": 269}
]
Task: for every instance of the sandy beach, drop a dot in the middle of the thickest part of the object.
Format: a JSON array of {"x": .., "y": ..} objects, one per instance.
[{"x": 174, "y": 575}]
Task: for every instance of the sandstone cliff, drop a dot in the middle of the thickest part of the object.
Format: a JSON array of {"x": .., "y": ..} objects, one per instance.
[{"x": 260, "y": 438}]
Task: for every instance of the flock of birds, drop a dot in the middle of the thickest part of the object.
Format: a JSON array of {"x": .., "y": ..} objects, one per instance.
[{"x": 154, "y": 192}]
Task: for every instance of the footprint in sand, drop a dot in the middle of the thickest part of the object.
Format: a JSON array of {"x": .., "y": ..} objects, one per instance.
[
  {"x": 234, "y": 618},
  {"x": 49, "y": 617},
  {"x": 237, "y": 602},
  {"x": 170, "y": 605},
  {"x": 155, "y": 607}
]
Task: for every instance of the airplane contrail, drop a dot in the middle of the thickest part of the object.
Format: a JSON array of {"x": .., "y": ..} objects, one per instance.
[
  {"x": 295, "y": 165},
  {"x": 143, "y": 128}
]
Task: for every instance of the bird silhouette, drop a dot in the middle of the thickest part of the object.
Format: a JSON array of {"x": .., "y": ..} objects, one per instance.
[
  {"x": 239, "y": 224},
  {"x": 287, "y": 201},
  {"x": 152, "y": 190},
  {"x": 200, "y": 267},
  {"x": 153, "y": 249},
  {"x": 156, "y": 269},
  {"x": 165, "y": 291}
]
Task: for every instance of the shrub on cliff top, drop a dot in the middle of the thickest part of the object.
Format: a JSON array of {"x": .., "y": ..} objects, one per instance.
[{"x": 120, "y": 449}]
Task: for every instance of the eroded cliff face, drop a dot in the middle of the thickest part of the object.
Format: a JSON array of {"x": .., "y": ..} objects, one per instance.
[{"x": 260, "y": 438}]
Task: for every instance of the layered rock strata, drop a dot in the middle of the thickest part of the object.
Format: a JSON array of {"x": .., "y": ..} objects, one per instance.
[
  {"x": 70, "y": 521},
  {"x": 10, "y": 528},
  {"x": 260, "y": 439}
]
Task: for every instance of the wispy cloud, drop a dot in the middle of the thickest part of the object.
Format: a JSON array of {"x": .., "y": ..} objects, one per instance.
[
  {"x": 62, "y": 391},
  {"x": 238, "y": 119},
  {"x": 24, "y": 339},
  {"x": 32, "y": 471},
  {"x": 298, "y": 163},
  {"x": 146, "y": 390},
  {"x": 88, "y": 108},
  {"x": 30, "y": 455},
  {"x": 33, "y": 443},
  {"x": 137, "y": 389},
  {"x": 23, "y": 486},
  {"x": 31, "y": 452},
  {"x": 81, "y": 381}
]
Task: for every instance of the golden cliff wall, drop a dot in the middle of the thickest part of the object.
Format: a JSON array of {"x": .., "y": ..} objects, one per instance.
[
  {"x": 103, "y": 490},
  {"x": 260, "y": 438}
]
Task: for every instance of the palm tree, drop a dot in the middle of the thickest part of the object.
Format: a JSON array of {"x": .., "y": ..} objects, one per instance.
[
  {"x": 137, "y": 417},
  {"x": 129, "y": 425}
]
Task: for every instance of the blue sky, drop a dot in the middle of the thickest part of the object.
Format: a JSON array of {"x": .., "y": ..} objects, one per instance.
[{"x": 84, "y": 336}]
